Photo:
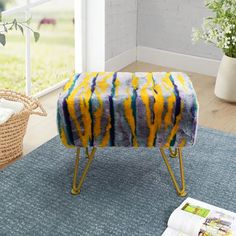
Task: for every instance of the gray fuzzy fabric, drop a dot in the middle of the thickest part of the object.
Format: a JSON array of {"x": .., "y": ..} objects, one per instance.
[{"x": 127, "y": 192}]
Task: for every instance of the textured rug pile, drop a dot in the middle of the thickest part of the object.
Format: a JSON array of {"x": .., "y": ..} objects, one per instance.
[{"x": 127, "y": 191}]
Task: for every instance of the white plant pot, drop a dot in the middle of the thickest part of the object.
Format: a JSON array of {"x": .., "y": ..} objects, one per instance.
[{"x": 225, "y": 87}]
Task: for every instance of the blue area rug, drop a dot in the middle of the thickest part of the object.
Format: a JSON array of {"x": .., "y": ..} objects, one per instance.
[{"x": 127, "y": 191}]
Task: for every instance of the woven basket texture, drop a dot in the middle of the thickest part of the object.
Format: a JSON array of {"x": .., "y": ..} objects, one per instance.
[{"x": 13, "y": 131}]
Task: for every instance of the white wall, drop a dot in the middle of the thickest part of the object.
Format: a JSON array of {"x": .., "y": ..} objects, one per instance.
[
  {"x": 121, "y": 26},
  {"x": 167, "y": 25},
  {"x": 120, "y": 32}
]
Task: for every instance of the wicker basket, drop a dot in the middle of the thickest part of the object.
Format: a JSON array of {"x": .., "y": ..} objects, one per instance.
[{"x": 13, "y": 131}]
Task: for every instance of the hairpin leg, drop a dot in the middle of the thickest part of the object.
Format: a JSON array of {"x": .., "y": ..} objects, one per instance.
[
  {"x": 173, "y": 153},
  {"x": 180, "y": 190},
  {"x": 77, "y": 188}
]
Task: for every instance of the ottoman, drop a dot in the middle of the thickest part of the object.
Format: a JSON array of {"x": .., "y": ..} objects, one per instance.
[{"x": 122, "y": 109}]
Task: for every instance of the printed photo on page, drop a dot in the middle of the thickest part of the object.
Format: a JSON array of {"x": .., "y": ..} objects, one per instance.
[{"x": 196, "y": 218}]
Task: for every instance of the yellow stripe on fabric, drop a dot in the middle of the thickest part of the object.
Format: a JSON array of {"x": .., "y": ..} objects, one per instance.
[
  {"x": 160, "y": 101},
  {"x": 64, "y": 139},
  {"x": 135, "y": 82},
  {"x": 158, "y": 108},
  {"x": 145, "y": 98},
  {"x": 68, "y": 84},
  {"x": 182, "y": 82},
  {"x": 84, "y": 97},
  {"x": 175, "y": 127},
  {"x": 129, "y": 114},
  {"x": 171, "y": 100},
  {"x": 117, "y": 85},
  {"x": 101, "y": 87}
]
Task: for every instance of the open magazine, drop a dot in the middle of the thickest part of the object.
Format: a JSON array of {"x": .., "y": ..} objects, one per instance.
[{"x": 196, "y": 218}]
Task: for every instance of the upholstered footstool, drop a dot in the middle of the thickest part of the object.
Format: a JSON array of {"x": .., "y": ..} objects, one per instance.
[{"x": 128, "y": 110}]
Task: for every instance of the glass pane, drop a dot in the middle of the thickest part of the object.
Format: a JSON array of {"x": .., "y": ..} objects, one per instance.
[
  {"x": 8, "y": 4},
  {"x": 12, "y": 60},
  {"x": 52, "y": 57},
  {"x": 20, "y": 16}
]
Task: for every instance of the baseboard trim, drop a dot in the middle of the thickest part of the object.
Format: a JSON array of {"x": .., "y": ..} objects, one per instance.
[
  {"x": 176, "y": 60},
  {"x": 122, "y": 60}
]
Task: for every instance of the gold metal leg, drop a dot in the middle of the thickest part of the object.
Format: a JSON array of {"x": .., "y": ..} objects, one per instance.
[
  {"x": 181, "y": 191},
  {"x": 173, "y": 153},
  {"x": 77, "y": 188}
]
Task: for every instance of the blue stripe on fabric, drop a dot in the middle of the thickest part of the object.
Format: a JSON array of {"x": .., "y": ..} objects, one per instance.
[
  {"x": 112, "y": 113},
  {"x": 134, "y": 111},
  {"x": 177, "y": 107},
  {"x": 91, "y": 110},
  {"x": 66, "y": 111},
  {"x": 155, "y": 139}
]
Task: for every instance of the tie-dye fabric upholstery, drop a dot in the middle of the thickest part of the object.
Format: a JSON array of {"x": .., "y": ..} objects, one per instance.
[{"x": 128, "y": 109}]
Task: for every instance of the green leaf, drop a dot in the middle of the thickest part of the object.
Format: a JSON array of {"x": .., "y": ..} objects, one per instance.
[
  {"x": 15, "y": 23},
  {"x": 21, "y": 29},
  {"x": 11, "y": 28},
  {"x": 0, "y": 16},
  {"x": 36, "y": 36},
  {"x": 3, "y": 39},
  {"x": 5, "y": 28},
  {"x": 29, "y": 20}
]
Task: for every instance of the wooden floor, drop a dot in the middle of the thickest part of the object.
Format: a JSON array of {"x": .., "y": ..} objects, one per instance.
[{"x": 214, "y": 113}]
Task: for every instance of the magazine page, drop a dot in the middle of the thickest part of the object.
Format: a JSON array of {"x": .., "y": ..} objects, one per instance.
[
  {"x": 184, "y": 221},
  {"x": 172, "y": 232},
  {"x": 196, "y": 218}
]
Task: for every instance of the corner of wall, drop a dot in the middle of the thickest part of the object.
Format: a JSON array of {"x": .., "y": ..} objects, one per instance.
[
  {"x": 177, "y": 60},
  {"x": 122, "y": 60}
]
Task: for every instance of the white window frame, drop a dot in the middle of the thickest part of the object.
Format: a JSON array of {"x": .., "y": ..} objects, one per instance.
[{"x": 79, "y": 16}]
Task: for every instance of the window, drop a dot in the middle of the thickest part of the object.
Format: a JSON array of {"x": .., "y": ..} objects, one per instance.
[{"x": 38, "y": 68}]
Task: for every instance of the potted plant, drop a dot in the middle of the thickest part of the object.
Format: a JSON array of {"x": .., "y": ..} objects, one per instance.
[{"x": 220, "y": 29}]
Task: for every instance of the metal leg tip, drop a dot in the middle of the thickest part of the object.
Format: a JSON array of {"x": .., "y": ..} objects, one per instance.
[
  {"x": 183, "y": 194},
  {"x": 173, "y": 156},
  {"x": 75, "y": 192}
]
